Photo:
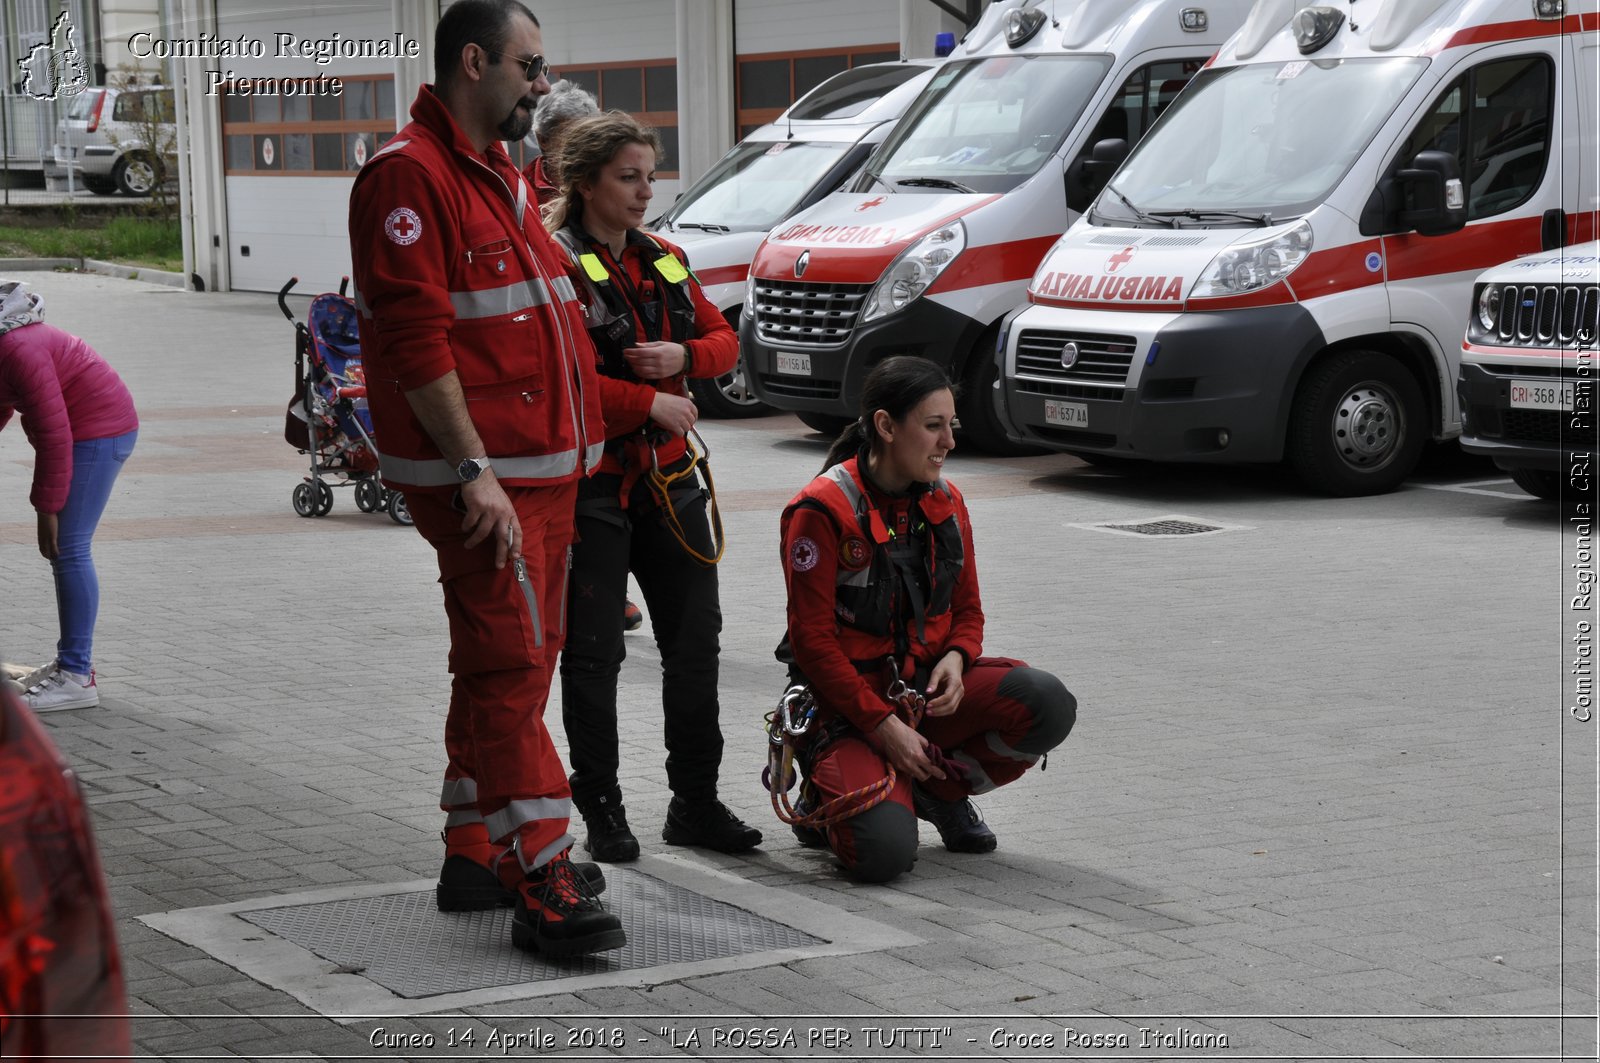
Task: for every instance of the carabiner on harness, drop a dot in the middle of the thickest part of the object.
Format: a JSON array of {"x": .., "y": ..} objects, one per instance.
[{"x": 787, "y": 725}]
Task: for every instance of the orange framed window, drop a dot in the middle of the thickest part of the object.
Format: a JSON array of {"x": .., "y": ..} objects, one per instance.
[
  {"x": 304, "y": 135},
  {"x": 648, "y": 90},
  {"x": 766, "y": 84}
]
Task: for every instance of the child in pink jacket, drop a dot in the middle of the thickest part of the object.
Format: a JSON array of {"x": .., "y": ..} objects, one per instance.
[{"x": 79, "y": 417}]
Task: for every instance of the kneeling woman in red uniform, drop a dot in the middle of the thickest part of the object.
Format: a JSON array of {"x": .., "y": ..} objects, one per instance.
[
  {"x": 645, "y": 510},
  {"x": 878, "y": 561}
]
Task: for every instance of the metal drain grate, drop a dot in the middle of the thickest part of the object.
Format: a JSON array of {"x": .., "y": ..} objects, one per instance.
[
  {"x": 1164, "y": 527},
  {"x": 402, "y": 942}
]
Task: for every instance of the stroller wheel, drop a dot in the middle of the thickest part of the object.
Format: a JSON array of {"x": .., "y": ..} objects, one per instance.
[
  {"x": 324, "y": 499},
  {"x": 369, "y": 496},
  {"x": 399, "y": 512},
  {"x": 305, "y": 502}
]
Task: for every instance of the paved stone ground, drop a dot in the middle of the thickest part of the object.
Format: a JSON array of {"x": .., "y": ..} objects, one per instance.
[{"x": 1324, "y": 798}]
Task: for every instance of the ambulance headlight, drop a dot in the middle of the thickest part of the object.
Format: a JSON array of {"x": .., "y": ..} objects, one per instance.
[
  {"x": 917, "y": 267},
  {"x": 1489, "y": 307},
  {"x": 1255, "y": 265},
  {"x": 749, "y": 297}
]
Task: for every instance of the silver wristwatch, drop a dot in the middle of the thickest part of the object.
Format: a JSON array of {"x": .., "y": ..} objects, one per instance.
[{"x": 471, "y": 468}]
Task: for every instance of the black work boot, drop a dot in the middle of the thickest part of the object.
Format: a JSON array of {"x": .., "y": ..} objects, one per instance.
[
  {"x": 609, "y": 840},
  {"x": 959, "y": 823},
  {"x": 708, "y": 825},
  {"x": 557, "y": 913}
]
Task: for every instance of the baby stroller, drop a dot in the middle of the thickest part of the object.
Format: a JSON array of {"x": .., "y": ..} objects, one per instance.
[{"x": 328, "y": 419}]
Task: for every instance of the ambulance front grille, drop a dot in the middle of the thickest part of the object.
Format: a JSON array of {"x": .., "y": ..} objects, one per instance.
[
  {"x": 1100, "y": 363},
  {"x": 797, "y": 314},
  {"x": 1547, "y": 315}
]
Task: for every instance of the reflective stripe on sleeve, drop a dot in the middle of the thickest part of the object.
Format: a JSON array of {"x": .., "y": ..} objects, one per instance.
[{"x": 436, "y": 472}]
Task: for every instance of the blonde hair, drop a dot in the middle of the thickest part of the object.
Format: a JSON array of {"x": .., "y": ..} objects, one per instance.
[{"x": 587, "y": 145}]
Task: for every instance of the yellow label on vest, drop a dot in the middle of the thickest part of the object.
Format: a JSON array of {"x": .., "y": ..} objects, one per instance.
[
  {"x": 671, "y": 269},
  {"x": 594, "y": 268}
]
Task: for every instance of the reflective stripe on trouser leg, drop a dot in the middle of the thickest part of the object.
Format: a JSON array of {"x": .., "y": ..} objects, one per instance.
[
  {"x": 502, "y": 658},
  {"x": 459, "y": 799},
  {"x": 1010, "y": 716}
]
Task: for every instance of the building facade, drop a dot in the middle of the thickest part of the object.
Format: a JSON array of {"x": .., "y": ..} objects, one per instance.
[{"x": 268, "y": 150}]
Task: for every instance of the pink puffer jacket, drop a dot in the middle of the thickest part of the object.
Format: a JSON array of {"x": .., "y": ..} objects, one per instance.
[{"x": 66, "y": 393}]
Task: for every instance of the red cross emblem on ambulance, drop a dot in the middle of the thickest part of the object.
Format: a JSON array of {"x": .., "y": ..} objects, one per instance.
[
  {"x": 869, "y": 204},
  {"x": 1118, "y": 260}
]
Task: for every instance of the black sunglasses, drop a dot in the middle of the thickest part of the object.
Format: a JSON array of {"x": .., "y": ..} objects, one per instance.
[{"x": 535, "y": 68}]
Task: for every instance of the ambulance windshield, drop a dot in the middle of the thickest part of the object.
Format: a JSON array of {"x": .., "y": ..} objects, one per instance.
[
  {"x": 1269, "y": 140},
  {"x": 757, "y": 185},
  {"x": 986, "y": 125}
]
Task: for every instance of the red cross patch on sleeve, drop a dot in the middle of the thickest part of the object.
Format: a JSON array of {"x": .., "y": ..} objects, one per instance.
[{"x": 403, "y": 226}]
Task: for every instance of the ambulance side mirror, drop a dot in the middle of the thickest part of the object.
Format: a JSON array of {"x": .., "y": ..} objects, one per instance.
[
  {"x": 1089, "y": 172},
  {"x": 1427, "y": 197}
]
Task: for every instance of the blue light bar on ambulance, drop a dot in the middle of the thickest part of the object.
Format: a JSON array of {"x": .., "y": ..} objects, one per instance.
[
  {"x": 1193, "y": 19},
  {"x": 1315, "y": 27},
  {"x": 1021, "y": 24},
  {"x": 1549, "y": 9}
]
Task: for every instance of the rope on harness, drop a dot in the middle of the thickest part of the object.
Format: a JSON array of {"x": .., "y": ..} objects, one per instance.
[
  {"x": 791, "y": 721},
  {"x": 661, "y": 486}
]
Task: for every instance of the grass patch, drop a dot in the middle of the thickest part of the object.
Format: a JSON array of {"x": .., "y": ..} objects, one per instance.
[{"x": 146, "y": 242}]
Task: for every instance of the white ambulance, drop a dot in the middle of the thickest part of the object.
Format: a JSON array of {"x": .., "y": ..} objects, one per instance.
[
  {"x": 1279, "y": 270},
  {"x": 779, "y": 169},
  {"x": 934, "y": 243},
  {"x": 1529, "y": 369}
]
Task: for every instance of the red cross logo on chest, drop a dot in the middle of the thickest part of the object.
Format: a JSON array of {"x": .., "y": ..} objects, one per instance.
[{"x": 1118, "y": 260}]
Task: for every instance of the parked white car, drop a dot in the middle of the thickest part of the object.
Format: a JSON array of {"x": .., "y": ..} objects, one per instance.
[{"x": 103, "y": 139}]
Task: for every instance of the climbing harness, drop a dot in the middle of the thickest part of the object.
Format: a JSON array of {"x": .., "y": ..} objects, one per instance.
[
  {"x": 662, "y": 485},
  {"x": 788, "y": 725}
]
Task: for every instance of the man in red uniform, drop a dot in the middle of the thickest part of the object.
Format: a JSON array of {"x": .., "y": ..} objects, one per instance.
[{"x": 483, "y": 391}]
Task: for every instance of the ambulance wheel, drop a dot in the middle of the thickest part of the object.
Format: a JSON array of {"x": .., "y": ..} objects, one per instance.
[
  {"x": 324, "y": 499},
  {"x": 399, "y": 512},
  {"x": 1540, "y": 483},
  {"x": 369, "y": 496},
  {"x": 1357, "y": 426},
  {"x": 305, "y": 501},
  {"x": 829, "y": 424},
  {"x": 975, "y": 408}
]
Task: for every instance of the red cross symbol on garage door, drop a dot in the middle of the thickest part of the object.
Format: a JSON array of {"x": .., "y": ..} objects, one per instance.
[{"x": 1118, "y": 260}]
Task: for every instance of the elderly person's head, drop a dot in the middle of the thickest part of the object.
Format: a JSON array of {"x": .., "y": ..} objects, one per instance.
[{"x": 566, "y": 102}]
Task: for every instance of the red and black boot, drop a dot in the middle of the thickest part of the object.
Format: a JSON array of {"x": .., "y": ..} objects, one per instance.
[{"x": 557, "y": 912}]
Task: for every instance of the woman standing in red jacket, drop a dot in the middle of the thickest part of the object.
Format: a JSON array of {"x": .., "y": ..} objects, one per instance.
[
  {"x": 883, "y": 590},
  {"x": 79, "y": 417},
  {"x": 645, "y": 510}
]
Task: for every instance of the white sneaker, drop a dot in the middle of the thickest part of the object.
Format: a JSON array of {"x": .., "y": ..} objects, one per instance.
[
  {"x": 19, "y": 677},
  {"x": 61, "y": 689}
]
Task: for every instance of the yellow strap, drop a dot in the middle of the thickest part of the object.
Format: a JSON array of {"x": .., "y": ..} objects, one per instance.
[
  {"x": 671, "y": 269},
  {"x": 594, "y": 267}
]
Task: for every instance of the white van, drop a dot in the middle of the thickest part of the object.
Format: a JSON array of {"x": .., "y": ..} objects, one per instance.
[
  {"x": 1280, "y": 268},
  {"x": 936, "y": 240},
  {"x": 1529, "y": 369},
  {"x": 781, "y": 168}
]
